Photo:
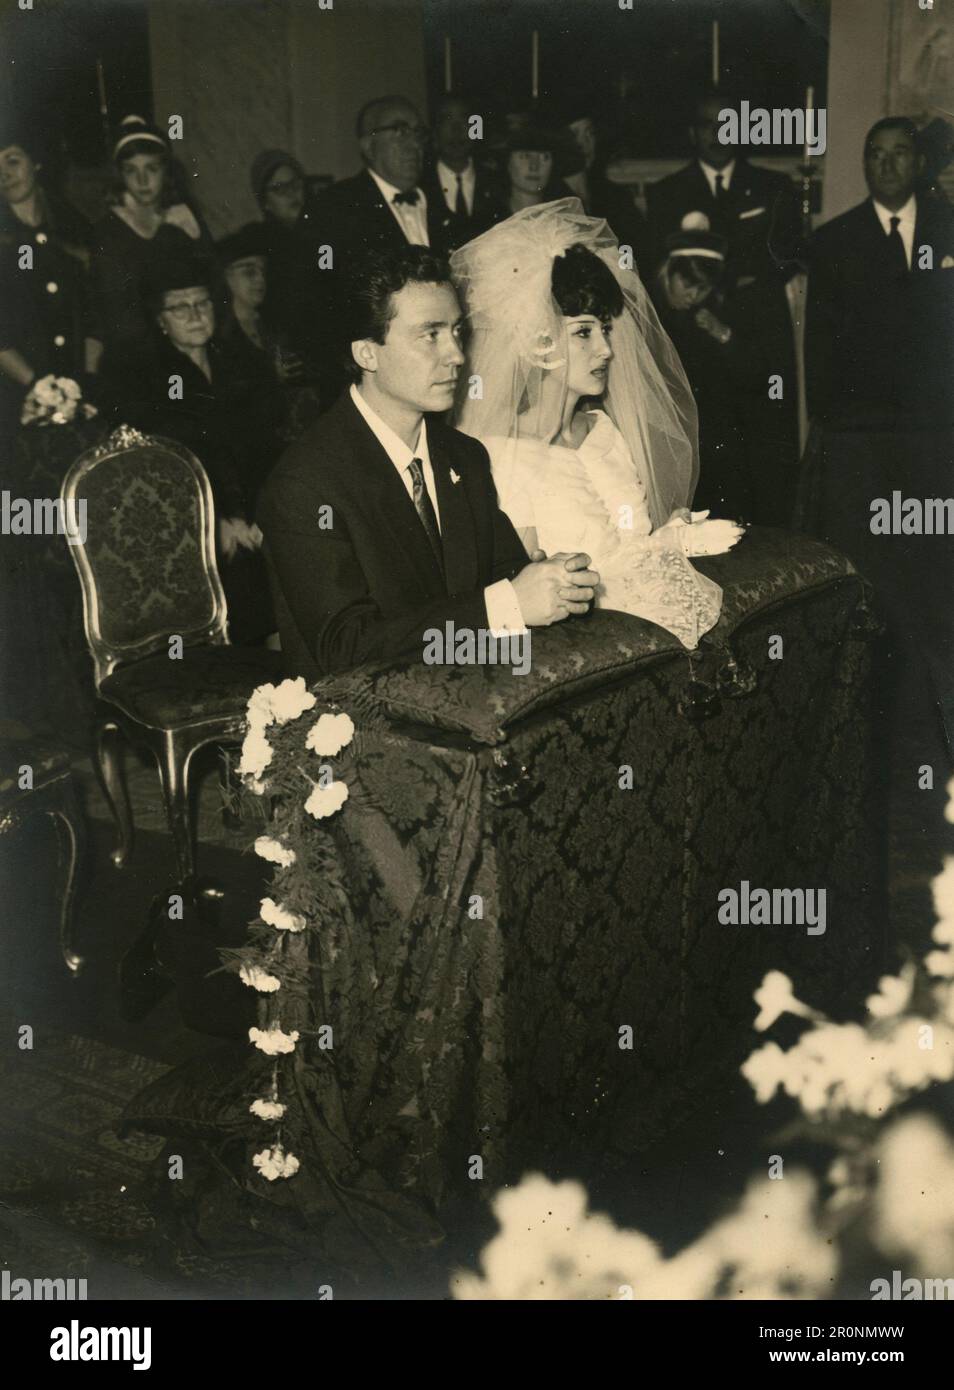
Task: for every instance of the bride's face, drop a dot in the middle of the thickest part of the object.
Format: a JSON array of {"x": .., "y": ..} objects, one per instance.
[{"x": 589, "y": 352}]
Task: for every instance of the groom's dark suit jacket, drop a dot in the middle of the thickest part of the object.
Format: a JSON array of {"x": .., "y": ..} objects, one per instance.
[{"x": 369, "y": 586}]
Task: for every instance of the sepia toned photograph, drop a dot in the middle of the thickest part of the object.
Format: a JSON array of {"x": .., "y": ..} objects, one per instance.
[{"x": 477, "y": 664}]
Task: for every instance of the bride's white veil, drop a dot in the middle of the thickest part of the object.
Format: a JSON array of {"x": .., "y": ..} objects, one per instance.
[{"x": 515, "y": 382}]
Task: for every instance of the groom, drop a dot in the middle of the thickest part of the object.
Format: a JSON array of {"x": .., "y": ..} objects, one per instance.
[{"x": 382, "y": 522}]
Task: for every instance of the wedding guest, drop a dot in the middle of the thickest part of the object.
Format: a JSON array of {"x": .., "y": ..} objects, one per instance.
[
  {"x": 532, "y": 168},
  {"x": 292, "y": 246},
  {"x": 601, "y": 197},
  {"x": 42, "y": 304},
  {"x": 470, "y": 199},
  {"x": 216, "y": 414},
  {"x": 148, "y": 222},
  {"x": 288, "y": 387},
  {"x": 880, "y": 318},
  {"x": 727, "y": 360},
  {"x": 756, "y": 212},
  {"x": 384, "y": 206}
]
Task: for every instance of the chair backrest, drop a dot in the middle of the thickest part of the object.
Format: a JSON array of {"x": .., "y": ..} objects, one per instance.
[{"x": 147, "y": 565}]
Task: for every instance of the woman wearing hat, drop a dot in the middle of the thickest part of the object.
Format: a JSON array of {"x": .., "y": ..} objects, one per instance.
[
  {"x": 292, "y": 245},
  {"x": 147, "y": 223},
  {"x": 217, "y": 413},
  {"x": 42, "y": 306},
  {"x": 261, "y": 350},
  {"x": 533, "y": 167}
]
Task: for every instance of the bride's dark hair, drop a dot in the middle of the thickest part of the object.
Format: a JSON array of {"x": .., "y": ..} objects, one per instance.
[{"x": 583, "y": 284}]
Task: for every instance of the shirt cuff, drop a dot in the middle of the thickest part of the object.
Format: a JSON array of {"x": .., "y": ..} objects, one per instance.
[{"x": 503, "y": 609}]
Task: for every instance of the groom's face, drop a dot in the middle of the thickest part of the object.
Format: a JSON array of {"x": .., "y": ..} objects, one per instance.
[{"x": 420, "y": 358}]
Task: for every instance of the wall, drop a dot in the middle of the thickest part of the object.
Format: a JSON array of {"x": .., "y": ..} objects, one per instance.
[{"x": 249, "y": 74}]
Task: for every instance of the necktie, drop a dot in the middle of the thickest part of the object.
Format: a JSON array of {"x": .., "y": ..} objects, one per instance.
[
  {"x": 896, "y": 248},
  {"x": 411, "y": 197},
  {"x": 425, "y": 510},
  {"x": 460, "y": 207},
  {"x": 721, "y": 192}
]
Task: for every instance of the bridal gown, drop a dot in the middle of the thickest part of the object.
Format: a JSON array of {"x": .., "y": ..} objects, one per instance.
[{"x": 590, "y": 499}]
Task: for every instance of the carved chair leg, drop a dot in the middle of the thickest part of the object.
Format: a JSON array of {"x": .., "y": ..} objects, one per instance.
[
  {"x": 71, "y": 830},
  {"x": 174, "y": 773},
  {"x": 110, "y": 765},
  {"x": 229, "y": 787}
]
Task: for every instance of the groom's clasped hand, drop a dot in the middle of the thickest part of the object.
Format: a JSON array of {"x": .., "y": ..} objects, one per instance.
[{"x": 550, "y": 588}]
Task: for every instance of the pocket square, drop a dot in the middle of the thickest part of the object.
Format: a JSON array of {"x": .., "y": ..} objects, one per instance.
[
  {"x": 947, "y": 263},
  {"x": 752, "y": 212},
  {"x": 455, "y": 477}
]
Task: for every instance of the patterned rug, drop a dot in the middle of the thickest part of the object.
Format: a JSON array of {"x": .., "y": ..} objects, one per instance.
[{"x": 75, "y": 1199}]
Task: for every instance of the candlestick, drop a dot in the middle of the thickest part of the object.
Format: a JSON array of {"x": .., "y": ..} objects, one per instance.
[
  {"x": 535, "y": 65},
  {"x": 715, "y": 53},
  {"x": 809, "y": 108},
  {"x": 448, "y": 80}
]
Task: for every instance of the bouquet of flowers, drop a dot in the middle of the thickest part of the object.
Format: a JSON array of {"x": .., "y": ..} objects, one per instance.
[{"x": 54, "y": 400}]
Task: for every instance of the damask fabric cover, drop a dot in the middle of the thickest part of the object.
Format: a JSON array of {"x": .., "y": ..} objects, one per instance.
[{"x": 498, "y": 1035}]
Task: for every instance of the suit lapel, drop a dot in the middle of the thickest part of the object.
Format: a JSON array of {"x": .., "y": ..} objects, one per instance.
[
  {"x": 458, "y": 534},
  {"x": 385, "y": 498}
]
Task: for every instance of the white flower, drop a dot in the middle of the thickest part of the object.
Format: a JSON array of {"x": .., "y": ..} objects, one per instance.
[
  {"x": 273, "y": 1041},
  {"x": 259, "y": 708},
  {"x": 550, "y": 1247},
  {"x": 257, "y": 978},
  {"x": 275, "y": 1163},
  {"x": 46, "y": 391},
  {"x": 69, "y": 387},
  {"x": 940, "y": 963},
  {"x": 256, "y": 754},
  {"x": 325, "y": 801},
  {"x": 59, "y": 418},
  {"x": 274, "y": 851},
  {"x": 267, "y": 1109},
  {"x": 894, "y": 994},
  {"x": 913, "y": 1212},
  {"x": 274, "y": 915},
  {"x": 291, "y": 699},
  {"x": 949, "y": 808},
  {"x": 943, "y": 892},
  {"x": 774, "y": 997},
  {"x": 331, "y": 733},
  {"x": 765, "y": 1071}
]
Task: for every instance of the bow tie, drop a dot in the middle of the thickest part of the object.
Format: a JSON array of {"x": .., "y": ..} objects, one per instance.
[{"x": 412, "y": 196}]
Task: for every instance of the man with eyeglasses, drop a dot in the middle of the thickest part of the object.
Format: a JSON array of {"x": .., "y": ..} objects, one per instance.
[{"x": 382, "y": 208}]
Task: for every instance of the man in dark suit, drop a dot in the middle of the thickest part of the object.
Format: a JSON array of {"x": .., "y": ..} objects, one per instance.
[
  {"x": 464, "y": 198},
  {"x": 384, "y": 207},
  {"x": 382, "y": 522},
  {"x": 880, "y": 321},
  {"x": 756, "y": 212}
]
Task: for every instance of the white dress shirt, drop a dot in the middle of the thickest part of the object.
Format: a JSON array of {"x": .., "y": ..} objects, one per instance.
[
  {"x": 447, "y": 178},
  {"x": 712, "y": 174},
  {"x": 410, "y": 217},
  {"x": 503, "y": 606},
  {"x": 907, "y": 215}
]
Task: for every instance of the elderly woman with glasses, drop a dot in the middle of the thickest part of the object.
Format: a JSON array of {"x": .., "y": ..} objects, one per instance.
[{"x": 198, "y": 393}]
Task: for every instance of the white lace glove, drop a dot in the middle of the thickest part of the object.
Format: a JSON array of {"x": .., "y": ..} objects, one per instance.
[{"x": 704, "y": 537}]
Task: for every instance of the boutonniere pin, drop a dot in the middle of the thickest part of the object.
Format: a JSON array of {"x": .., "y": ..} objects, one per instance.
[{"x": 455, "y": 477}]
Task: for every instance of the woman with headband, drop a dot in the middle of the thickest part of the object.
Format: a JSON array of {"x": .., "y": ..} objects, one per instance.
[{"x": 146, "y": 225}]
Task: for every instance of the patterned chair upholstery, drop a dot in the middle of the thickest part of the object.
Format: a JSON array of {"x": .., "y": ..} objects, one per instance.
[
  {"x": 52, "y": 794},
  {"x": 148, "y": 576}
]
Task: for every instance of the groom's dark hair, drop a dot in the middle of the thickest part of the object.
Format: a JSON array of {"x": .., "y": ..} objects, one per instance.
[{"x": 375, "y": 279}]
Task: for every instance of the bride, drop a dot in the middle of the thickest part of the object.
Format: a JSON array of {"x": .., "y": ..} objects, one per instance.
[{"x": 581, "y": 401}]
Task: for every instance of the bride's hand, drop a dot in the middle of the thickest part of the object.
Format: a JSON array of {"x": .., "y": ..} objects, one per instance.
[{"x": 705, "y": 537}]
